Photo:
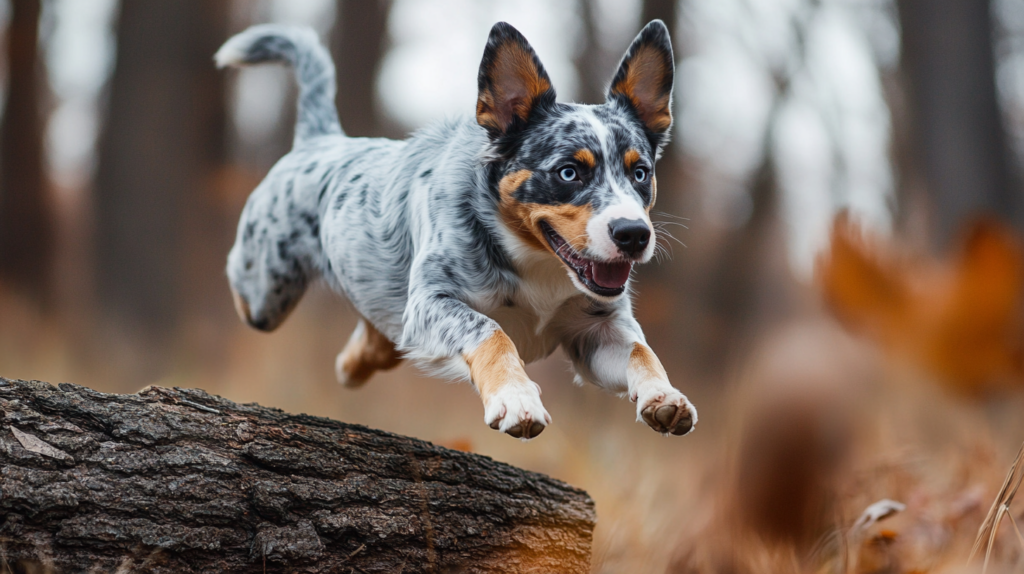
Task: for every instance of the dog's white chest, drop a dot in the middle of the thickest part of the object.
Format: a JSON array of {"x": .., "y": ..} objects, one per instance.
[{"x": 531, "y": 315}]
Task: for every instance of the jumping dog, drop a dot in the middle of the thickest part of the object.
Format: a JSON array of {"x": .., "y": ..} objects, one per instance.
[{"x": 474, "y": 245}]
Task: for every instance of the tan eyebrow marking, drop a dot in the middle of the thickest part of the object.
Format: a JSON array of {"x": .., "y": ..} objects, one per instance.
[
  {"x": 586, "y": 157},
  {"x": 631, "y": 157}
]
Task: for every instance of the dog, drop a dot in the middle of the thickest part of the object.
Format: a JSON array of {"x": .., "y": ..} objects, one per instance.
[{"x": 475, "y": 245}]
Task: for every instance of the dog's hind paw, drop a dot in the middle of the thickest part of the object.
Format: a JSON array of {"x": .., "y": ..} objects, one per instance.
[
  {"x": 516, "y": 410},
  {"x": 366, "y": 352},
  {"x": 668, "y": 413}
]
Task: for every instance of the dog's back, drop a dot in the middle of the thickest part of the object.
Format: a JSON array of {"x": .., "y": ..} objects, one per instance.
[
  {"x": 380, "y": 194},
  {"x": 346, "y": 209},
  {"x": 278, "y": 249}
]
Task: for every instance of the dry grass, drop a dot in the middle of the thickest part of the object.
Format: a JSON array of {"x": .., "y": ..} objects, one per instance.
[{"x": 1000, "y": 509}]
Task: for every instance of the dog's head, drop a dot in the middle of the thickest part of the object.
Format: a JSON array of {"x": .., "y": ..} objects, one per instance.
[{"x": 577, "y": 181}]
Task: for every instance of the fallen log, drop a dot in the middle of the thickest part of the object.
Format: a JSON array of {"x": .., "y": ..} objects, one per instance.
[{"x": 177, "y": 480}]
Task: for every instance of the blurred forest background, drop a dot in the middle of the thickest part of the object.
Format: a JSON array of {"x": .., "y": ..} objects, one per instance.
[{"x": 834, "y": 362}]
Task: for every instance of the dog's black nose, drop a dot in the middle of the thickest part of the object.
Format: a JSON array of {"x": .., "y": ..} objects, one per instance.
[{"x": 630, "y": 235}]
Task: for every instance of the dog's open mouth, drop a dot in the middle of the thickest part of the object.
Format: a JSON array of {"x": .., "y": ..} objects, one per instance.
[{"x": 604, "y": 278}]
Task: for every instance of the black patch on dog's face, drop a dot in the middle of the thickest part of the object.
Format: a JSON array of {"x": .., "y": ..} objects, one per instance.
[
  {"x": 595, "y": 143},
  {"x": 569, "y": 166}
]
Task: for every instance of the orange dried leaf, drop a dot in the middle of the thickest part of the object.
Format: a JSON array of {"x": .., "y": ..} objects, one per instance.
[{"x": 959, "y": 319}]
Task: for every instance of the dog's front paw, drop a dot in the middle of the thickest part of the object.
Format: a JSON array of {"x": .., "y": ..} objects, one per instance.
[
  {"x": 668, "y": 412},
  {"x": 516, "y": 409}
]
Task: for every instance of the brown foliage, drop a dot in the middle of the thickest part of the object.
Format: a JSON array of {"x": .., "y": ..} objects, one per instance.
[{"x": 959, "y": 318}]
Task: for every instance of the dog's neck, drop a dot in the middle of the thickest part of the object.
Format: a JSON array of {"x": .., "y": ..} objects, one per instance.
[{"x": 543, "y": 283}]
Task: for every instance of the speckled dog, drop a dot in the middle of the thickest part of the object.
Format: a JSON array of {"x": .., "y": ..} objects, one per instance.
[{"x": 472, "y": 246}]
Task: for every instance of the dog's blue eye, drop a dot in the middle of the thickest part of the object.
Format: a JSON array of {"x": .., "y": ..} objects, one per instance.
[
  {"x": 567, "y": 173},
  {"x": 640, "y": 174}
]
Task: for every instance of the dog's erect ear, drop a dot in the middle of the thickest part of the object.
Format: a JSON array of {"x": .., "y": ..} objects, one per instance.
[
  {"x": 645, "y": 77},
  {"x": 512, "y": 82}
]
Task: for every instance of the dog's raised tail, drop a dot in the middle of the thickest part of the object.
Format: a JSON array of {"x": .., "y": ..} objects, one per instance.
[{"x": 313, "y": 66}]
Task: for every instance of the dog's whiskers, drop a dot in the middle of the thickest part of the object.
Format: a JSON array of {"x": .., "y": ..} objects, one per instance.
[
  {"x": 660, "y": 224},
  {"x": 665, "y": 233},
  {"x": 665, "y": 214}
]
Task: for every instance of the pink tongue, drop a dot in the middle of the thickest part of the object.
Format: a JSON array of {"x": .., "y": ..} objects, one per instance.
[{"x": 611, "y": 275}]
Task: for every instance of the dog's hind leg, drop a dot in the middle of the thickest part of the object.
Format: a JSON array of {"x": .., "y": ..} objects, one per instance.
[
  {"x": 273, "y": 259},
  {"x": 366, "y": 352},
  {"x": 277, "y": 248}
]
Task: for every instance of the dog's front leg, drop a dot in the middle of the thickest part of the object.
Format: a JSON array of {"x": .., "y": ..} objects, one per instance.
[
  {"x": 511, "y": 400},
  {"x": 613, "y": 354},
  {"x": 442, "y": 330},
  {"x": 658, "y": 403}
]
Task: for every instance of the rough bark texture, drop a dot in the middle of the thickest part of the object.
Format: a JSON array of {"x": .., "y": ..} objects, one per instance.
[{"x": 176, "y": 480}]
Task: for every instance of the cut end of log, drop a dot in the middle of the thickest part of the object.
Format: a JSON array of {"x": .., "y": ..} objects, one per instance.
[{"x": 178, "y": 480}]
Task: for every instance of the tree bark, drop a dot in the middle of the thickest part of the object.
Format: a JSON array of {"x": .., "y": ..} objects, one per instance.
[{"x": 177, "y": 480}]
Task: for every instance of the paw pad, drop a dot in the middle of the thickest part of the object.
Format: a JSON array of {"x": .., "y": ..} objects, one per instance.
[
  {"x": 670, "y": 415},
  {"x": 533, "y": 430},
  {"x": 517, "y": 411}
]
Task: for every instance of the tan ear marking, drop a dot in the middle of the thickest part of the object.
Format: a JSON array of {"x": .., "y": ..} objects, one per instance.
[
  {"x": 642, "y": 83},
  {"x": 516, "y": 85}
]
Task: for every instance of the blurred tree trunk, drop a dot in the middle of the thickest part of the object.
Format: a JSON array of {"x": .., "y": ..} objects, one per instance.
[
  {"x": 164, "y": 139},
  {"x": 961, "y": 149},
  {"x": 664, "y": 10},
  {"x": 26, "y": 216},
  {"x": 748, "y": 285},
  {"x": 358, "y": 44},
  {"x": 669, "y": 277},
  {"x": 589, "y": 59}
]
